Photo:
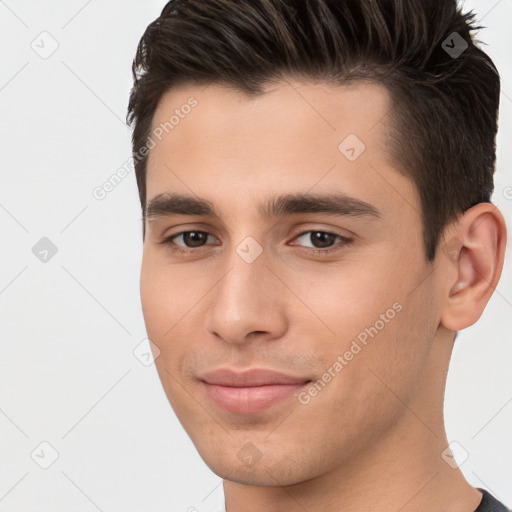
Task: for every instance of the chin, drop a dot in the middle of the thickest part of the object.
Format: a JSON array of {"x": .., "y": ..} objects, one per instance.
[{"x": 271, "y": 470}]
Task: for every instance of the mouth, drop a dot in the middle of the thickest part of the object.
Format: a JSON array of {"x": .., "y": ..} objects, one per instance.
[{"x": 251, "y": 391}]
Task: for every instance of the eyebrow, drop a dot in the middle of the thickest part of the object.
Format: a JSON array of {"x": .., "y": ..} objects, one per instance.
[{"x": 337, "y": 204}]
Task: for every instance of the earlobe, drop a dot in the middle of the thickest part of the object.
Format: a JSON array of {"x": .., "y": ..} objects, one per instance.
[{"x": 477, "y": 259}]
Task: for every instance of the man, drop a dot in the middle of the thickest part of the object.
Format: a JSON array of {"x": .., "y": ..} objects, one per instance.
[{"x": 315, "y": 179}]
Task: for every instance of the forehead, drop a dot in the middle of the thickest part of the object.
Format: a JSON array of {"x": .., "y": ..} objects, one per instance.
[
  {"x": 298, "y": 106},
  {"x": 295, "y": 137}
]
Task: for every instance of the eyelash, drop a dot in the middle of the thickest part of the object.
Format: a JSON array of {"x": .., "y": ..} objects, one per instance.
[{"x": 179, "y": 249}]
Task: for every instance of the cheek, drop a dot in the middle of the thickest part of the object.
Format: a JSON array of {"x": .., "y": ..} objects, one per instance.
[
  {"x": 347, "y": 301},
  {"x": 381, "y": 330},
  {"x": 154, "y": 300},
  {"x": 162, "y": 296},
  {"x": 164, "y": 309},
  {"x": 162, "y": 306},
  {"x": 171, "y": 305}
]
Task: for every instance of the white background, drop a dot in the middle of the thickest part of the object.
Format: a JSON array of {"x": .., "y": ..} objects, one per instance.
[{"x": 68, "y": 327}]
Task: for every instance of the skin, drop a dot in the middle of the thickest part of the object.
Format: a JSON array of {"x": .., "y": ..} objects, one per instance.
[{"x": 375, "y": 434}]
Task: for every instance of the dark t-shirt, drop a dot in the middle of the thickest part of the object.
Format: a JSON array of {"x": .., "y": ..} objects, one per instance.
[{"x": 490, "y": 504}]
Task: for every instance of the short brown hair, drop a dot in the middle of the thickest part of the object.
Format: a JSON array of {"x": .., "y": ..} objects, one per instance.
[{"x": 444, "y": 120}]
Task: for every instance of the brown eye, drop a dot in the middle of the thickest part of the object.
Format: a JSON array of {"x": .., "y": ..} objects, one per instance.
[
  {"x": 194, "y": 238},
  {"x": 322, "y": 241},
  {"x": 188, "y": 239}
]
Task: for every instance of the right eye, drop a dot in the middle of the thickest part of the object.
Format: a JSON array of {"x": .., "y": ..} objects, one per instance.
[{"x": 189, "y": 240}]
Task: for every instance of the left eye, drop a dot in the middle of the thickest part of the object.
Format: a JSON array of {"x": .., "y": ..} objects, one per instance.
[{"x": 321, "y": 240}]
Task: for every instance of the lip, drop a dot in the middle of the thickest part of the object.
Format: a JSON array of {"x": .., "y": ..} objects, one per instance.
[
  {"x": 250, "y": 391},
  {"x": 249, "y": 378}
]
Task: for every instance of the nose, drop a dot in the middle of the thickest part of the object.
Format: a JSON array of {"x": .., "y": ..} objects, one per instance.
[{"x": 249, "y": 301}]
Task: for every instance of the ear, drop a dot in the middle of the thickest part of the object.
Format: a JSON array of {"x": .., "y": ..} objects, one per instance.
[{"x": 473, "y": 260}]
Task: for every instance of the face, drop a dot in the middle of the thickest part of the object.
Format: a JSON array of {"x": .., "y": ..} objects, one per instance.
[{"x": 304, "y": 257}]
